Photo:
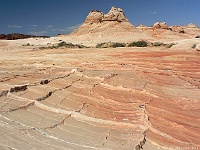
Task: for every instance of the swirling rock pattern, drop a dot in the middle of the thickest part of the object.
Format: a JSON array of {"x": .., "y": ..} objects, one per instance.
[{"x": 124, "y": 98}]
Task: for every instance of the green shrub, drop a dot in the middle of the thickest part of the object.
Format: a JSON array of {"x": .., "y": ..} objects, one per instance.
[
  {"x": 158, "y": 44},
  {"x": 138, "y": 44},
  {"x": 61, "y": 44},
  {"x": 114, "y": 45},
  {"x": 65, "y": 45},
  {"x": 28, "y": 44},
  {"x": 100, "y": 45}
]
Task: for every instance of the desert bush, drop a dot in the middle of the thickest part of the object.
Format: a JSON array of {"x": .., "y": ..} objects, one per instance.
[
  {"x": 100, "y": 45},
  {"x": 65, "y": 45},
  {"x": 194, "y": 46},
  {"x": 158, "y": 44},
  {"x": 28, "y": 44},
  {"x": 170, "y": 45},
  {"x": 61, "y": 44},
  {"x": 114, "y": 45},
  {"x": 138, "y": 44}
]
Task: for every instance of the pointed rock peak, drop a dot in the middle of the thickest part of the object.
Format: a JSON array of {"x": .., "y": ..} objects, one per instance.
[
  {"x": 191, "y": 25},
  {"x": 142, "y": 26}
]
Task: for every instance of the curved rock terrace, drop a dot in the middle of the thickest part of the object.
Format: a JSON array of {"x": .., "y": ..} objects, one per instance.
[{"x": 126, "y": 98}]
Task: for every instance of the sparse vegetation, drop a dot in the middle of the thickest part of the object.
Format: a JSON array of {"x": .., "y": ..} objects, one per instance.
[
  {"x": 194, "y": 46},
  {"x": 133, "y": 44},
  {"x": 64, "y": 45},
  {"x": 100, "y": 45},
  {"x": 138, "y": 44},
  {"x": 114, "y": 45},
  {"x": 158, "y": 44},
  {"x": 170, "y": 45},
  {"x": 28, "y": 44},
  {"x": 110, "y": 44}
]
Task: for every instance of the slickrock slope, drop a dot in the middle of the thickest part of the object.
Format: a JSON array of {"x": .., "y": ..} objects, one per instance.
[
  {"x": 102, "y": 99},
  {"x": 79, "y": 99}
]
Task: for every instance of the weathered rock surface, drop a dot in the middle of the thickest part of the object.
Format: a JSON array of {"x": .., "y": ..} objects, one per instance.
[
  {"x": 106, "y": 27},
  {"x": 124, "y": 98},
  {"x": 102, "y": 99},
  {"x": 191, "y": 25},
  {"x": 178, "y": 29},
  {"x": 115, "y": 27},
  {"x": 95, "y": 16},
  {"x": 115, "y": 14},
  {"x": 160, "y": 25}
]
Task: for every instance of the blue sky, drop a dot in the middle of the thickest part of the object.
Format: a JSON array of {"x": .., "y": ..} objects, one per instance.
[{"x": 52, "y": 17}]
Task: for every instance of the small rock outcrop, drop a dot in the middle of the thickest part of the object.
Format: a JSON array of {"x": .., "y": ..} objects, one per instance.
[
  {"x": 191, "y": 25},
  {"x": 3, "y": 93},
  {"x": 142, "y": 26},
  {"x": 115, "y": 14},
  {"x": 178, "y": 29},
  {"x": 160, "y": 25},
  {"x": 95, "y": 16}
]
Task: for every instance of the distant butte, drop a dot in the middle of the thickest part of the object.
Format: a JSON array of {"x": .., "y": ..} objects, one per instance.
[{"x": 115, "y": 27}]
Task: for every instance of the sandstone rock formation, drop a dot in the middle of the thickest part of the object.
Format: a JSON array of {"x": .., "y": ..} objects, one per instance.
[
  {"x": 102, "y": 99},
  {"x": 115, "y": 14},
  {"x": 160, "y": 25},
  {"x": 191, "y": 25},
  {"x": 142, "y": 26},
  {"x": 178, "y": 29},
  {"x": 113, "y": 26},
  {"x": 95, "y": 16}
]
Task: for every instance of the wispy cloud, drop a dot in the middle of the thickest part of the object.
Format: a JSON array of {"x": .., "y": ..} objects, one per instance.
[
  {"x": 49, "y": 26},
  {"x": 153, "y": 12},
  {"x": 14, "y": 26},
  {"x": 74, "y": 27},
  {"x": 35, "y": 25},
  {"x": 38, "y": 33},
  {"x": 66, "y": 29}
]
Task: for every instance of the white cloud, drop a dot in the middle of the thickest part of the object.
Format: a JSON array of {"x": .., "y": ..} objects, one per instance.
[
  {"x": 14, "y": 26},
  {"x": 153, "y": 12},
  {"x": 49, "y": 26},
  {"x": 35, "y": 25},
  {"x": 38, "y": 33},
  {"x": 72, "y": 28}
]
